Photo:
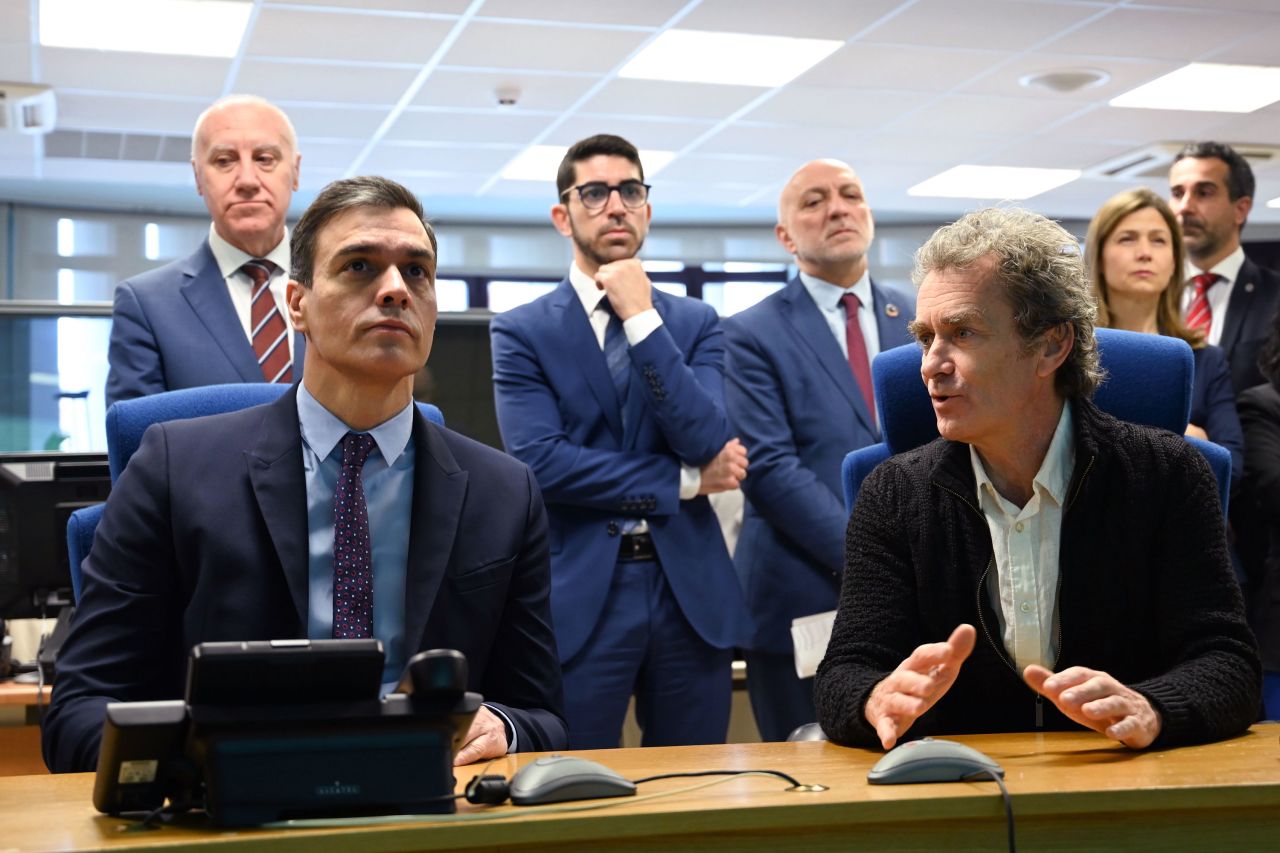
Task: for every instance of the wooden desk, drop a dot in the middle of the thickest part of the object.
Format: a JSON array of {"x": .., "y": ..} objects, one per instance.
[
  {"x": 1070, "y": 791},
  {"x": 20, "y": 730}
]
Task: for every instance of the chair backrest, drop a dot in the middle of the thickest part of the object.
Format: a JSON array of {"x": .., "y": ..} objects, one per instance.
[
  {"x": 127, "y": 420},
  {"x": 1148, "y": 382}
]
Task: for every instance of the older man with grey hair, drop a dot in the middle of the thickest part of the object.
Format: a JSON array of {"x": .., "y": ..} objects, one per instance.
[
  {"x": 1090, "y": 552},
  {"x": 218, "y": 315}
]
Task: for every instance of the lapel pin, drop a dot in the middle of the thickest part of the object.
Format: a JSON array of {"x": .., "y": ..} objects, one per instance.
[
  {"x": 1248, "y": 287},
  {"x": 890, "y": 310}
]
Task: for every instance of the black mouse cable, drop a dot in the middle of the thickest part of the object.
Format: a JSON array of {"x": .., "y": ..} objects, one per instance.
[
  {"x": 1008, "y": 801},
  {"x": 778, "y": 773}
]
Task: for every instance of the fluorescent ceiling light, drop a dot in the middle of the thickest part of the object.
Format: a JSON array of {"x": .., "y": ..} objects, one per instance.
[
  {"x": 181, "y": 27},
  {"x": 1000, "y": 182},
  {"x": 693, "y": 56},
  {"x": 1207, "y": 87},
  {"x": 540, "y": 163},
  {"x": 1275, "y": 202}
]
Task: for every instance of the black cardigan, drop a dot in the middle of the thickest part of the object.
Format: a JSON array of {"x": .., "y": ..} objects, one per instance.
[{"x": 1145, "y": 590}]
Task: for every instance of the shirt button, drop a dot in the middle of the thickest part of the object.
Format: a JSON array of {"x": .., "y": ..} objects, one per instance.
[
  {"x": 1025, "y": 607},
  {"x": 1018, "y": 527}
]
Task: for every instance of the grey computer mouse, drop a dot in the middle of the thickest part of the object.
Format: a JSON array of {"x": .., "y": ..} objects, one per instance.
[
  {"x": 558, "y": 778},
  {"x": 931, "y": 760}
]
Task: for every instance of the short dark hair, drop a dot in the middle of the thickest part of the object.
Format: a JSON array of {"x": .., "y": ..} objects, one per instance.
[
  {"x": 1240, "y": 183},
  {"x": 336, "y": 198},
  {"x": 593, "y": 146}
]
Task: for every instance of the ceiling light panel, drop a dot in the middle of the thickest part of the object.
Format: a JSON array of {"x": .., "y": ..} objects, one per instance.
[
  {"x": 1207, "y": 87},
  {"x": 993, "y": 182},
  {"x": 183, "y": 27},
  {"x": 692, "y": 56}
]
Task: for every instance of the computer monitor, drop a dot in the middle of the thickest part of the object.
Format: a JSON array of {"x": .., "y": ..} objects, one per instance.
[{"x": 38, "y": 493}]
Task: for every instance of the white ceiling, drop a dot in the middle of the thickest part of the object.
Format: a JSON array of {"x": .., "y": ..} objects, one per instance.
[{"x": 406, "y": 88}]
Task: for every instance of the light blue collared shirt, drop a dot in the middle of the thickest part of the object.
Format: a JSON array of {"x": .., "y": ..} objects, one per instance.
[
  {"x": 827, "y": 297},
  {"x": 388, "y": 489}
]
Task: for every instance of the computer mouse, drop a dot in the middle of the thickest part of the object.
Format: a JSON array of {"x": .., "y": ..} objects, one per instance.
[
  {"x": 931, "y": 760},
  {"x": 560, "y": 778}
]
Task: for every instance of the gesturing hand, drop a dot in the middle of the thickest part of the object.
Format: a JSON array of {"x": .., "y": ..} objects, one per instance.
[
  {"x": 726, "y": 470},
  {"x": 918, "y": 682},
  {"x": 1099, "y": 702}
]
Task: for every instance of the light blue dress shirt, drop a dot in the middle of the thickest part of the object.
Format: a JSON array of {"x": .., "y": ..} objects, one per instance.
[
  {"x": 388, "y": 490},
  {"x": 827, "y": 297}
]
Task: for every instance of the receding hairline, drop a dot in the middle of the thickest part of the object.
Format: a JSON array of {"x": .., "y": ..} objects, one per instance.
[
  {"x": 229, "y": 101},
  {"x": 795, "y": 176}
]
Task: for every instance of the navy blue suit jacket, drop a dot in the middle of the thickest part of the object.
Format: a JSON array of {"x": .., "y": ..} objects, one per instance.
[
  {"x": 1255, "y": 298},
  {"x": 794, "y": 401},
  {"x": 175, "y": 327},
  {"x": 205, "y": 538},
  {"x": 1213, "y": 407},
  {"x": 559, "y": 413}
]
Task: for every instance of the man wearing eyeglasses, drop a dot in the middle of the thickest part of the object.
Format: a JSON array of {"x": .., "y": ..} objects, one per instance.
[{"x": 612, "y": 392}]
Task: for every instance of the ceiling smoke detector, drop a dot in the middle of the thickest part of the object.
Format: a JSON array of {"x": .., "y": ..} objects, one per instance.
[{"x": 1065, "y": 79}]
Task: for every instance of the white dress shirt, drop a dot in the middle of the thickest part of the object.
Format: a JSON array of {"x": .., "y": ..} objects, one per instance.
[
  {"x": 636, "y": 328},
  {"x": 230, "y": 259},
  {"x": 1219, "y": 294},
  {"x": 1025, "y": 542}
]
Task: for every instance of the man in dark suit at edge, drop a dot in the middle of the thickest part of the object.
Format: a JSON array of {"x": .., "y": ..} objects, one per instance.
[
  {"x": 247, "y": 526},
  {"x": 218, "y": 315},
  {"x": 799, "y": 392}
]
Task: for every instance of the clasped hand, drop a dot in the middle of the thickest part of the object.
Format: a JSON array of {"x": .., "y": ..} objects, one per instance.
[{"x": 1089, "y": 697}]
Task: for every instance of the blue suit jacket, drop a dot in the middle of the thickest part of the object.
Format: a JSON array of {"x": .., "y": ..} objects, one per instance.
[
  {"x": 205, "y": 538},
  {"x": 559, "y": 413},
  {"x": 1213, "y": 407},
  {"x": 794, "y": 401},
  {"x": 1255, "y": 298},
  {"x": 175, "y": 327}
]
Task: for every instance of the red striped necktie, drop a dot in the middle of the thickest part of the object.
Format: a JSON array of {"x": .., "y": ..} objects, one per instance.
[
  {"x": 1199, "y": 314},
  {"x": 269, "y": 333}
]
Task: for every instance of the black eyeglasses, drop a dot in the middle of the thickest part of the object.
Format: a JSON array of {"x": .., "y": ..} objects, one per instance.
[{"x": 595, "y": 194}]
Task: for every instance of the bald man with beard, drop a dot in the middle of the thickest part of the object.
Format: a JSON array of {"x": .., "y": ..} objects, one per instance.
[{"x": 798, "y": 393}]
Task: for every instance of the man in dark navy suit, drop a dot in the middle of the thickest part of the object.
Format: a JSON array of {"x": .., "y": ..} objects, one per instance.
[
  {"x": 612, "y": 392},
  {"x": 337, "y": 511},
  {"x": 1228, "y": 296},
  {"x": 218, "y": 315},
  {"x": 799, "y": 393}
]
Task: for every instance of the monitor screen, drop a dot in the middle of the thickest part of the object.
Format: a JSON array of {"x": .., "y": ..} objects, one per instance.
[{"x": 38, "y": 493}]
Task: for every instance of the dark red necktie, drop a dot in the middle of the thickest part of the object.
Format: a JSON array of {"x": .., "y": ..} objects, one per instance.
[
  {"x": 1199, "y": 314},
  {"x": 352, "y": 550},
  {"x": 269, "y": 333},
  {"x": 859, "y": 363}
]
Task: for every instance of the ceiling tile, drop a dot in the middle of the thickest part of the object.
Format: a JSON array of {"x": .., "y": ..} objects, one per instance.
[
  {"x": 798, "y": 143},
  {"x": 324, "y": 154},
  {"x": 825, "y": 19},
  {"x": 1257, "y": 49},
  {"x": 125, "y": 114},
  {"x": 726, "y": 170},
  {"x": 334, "y": 122},
  {"x": 478, "y": 89},
  {"x": 1125, "y": 74},
  {"x": 870, "y": 66},
  {"x": 155, "y": 74},
  {"x": 727, "y": 195},
  {"x": 984, "y": 115},
  {"x": 942, "y": 150},
  {"x": 1049, "y": 151},
  {"x": 1261, "y": 126},
  {"x": 659, "y": 135},
  {"x": 15, "y": 60},
  {"x": 858, "y": 109},
  {"x": 421, "y": 125},
  {"x": 1122, "y": 124},
  {"x": 1239, "y": 5},
  {"x": 284, "y": 81},
  {"x": 661, "y": 98},
  {"x": 390, "y": 157},
  {"x": 1157, "y": 34},
  {"x": 333, "y": 35},
  {"x": 447, "y": 7},
  {"x": 981, "y": 24},
  {"x": 489, "y": 45},
  {"x": 651, "y": 13},
  {"x": 525, "y": 189}
]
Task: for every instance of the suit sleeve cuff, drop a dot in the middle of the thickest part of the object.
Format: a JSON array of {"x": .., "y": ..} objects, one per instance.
[
  {"x": 640, "y": 326},
  {"x": 690, "y": 482},
  {"x": 512, "y": 737}
]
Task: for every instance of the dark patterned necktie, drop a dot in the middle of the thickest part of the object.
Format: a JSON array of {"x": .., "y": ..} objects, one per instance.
[
  {"x": 1199, "y": 314},
  {"x": 352, "y": 551},
  {"x": 617, "y": 356},
  {"x": 269, "y": 333},
  {"x": 857, "y": 346}
]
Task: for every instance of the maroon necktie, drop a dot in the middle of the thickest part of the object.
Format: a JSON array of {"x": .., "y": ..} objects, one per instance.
[
  {"x": 859, "y": 363},
  {"x": 1199, "y": 315},
  {"x": 270, "y": 336},
  {"x": 352, "y": 551}
]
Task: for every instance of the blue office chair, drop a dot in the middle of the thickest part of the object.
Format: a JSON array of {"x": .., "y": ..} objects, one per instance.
[
  {"x": 127, "y": 420},
  {"x": 1148, "y": 382}
]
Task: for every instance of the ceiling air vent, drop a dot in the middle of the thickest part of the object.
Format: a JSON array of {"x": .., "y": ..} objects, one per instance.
[
  {"x": 27, "y": 108},
  {"x": 105, "y": 145},
  {"x": 1152, "y": 162}
]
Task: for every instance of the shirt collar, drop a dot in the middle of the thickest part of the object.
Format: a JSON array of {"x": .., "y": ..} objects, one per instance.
[
  {"x": 589, "y": 293},
  {"x": 1228, "y": 267},
  {"x": 322, "y": 429},
  {"x": 827, "y": 295},
  {"x": 1055, "y": 470},
  {"x": 230, "y": 258}
]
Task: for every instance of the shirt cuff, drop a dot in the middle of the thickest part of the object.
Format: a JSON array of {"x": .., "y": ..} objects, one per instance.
[
  {"x": 640, "y": 326},
  {"x": 690, "y": 482},
  {"x": 512, "y": 738}
]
